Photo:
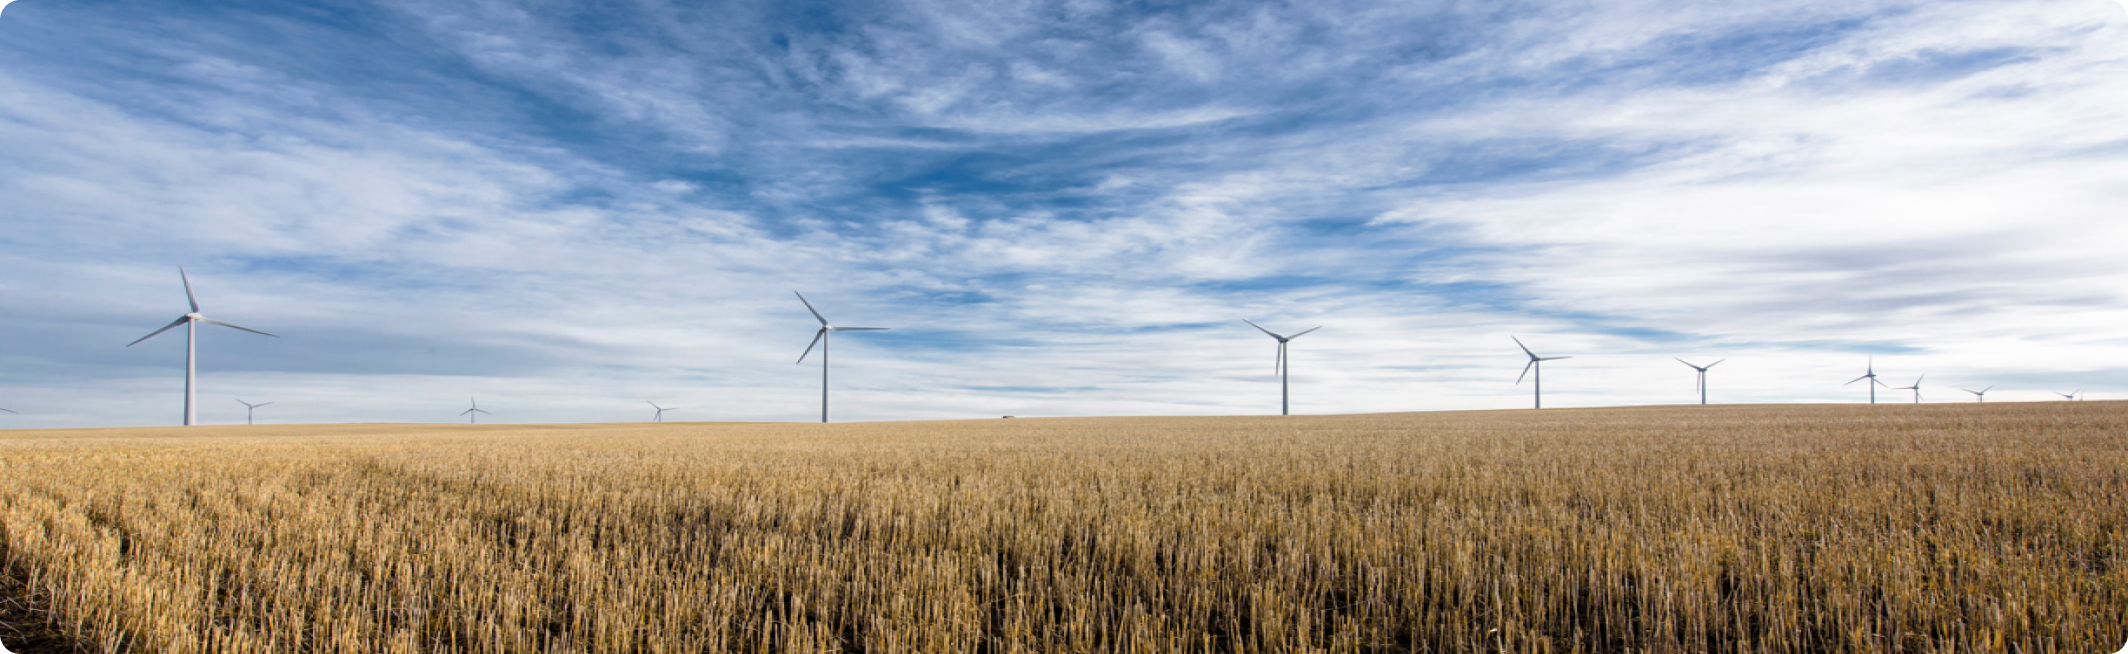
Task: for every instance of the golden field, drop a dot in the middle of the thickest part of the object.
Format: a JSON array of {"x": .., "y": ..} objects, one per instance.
[{"x": 1849, "y": 528}]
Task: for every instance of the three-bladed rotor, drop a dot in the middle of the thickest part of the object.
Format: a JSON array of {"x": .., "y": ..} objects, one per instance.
[
  {"x": 248, "y": 408},
  {"x": 1979, "y": 395},
  {"x": 471, "y": 414},
  {"x": 820, "y": 338},
  {"x": 1701, "y": 386},
  {"x": 188, "y": 320},
  {"x": 660, "y": 415},
  {"x": 1533, "y": 360},
  {"x": 1870, "y": 375},
  {"x": 1279, "y": 367},
  {"x": 1916, "y": 388}
]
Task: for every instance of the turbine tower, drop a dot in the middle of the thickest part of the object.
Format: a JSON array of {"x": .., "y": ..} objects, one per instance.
[
  {"x": 820, "y": 338},
  {"x": 191, "y": 322},
  {"x": 1536, "y": 362},
  {"x": 1281, "y": 368},
  {"x": 1872, "y": 377},
  {"x": 1979, "y": 395},
  {"x": 1702, "y": 376},
  {"x": 1916, "y": 388},
  {"x": 660, "y": 415},
  {"x": 471, "y": 414},
  {"x": 248, "y": 407}
]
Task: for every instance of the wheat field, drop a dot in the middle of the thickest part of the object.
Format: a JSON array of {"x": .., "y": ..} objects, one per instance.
[{"x": 1893, "y": 528}]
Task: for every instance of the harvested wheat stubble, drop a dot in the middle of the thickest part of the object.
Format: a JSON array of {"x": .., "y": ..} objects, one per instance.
[{"x": 1931, "y": 528}]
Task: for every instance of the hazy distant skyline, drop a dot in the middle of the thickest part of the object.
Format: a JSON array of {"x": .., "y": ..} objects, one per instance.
[{"x": 1061, "y": 208}]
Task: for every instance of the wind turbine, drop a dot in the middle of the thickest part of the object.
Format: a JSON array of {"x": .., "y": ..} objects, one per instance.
[
  {"x": 1281, "y": 368},
  {"x": 2071, "y": 395},
  {"x": 248, "y": 407},
  {"x": 472, "y": 419},
  {"x": 660, "y": 415},
  {"x": 1916, "y": 388},
  {"x": 1872, "y": 377},
  {"x": 1979, "y": 395},
  {"x": 191, "y": 322},
  {"x": 820, "y": 338},
  {"x": 1702, "y": 376},
  {"x": 1538, "y": 363}
]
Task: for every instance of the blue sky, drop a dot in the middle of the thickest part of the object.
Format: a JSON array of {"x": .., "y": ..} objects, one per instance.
[{"x": 1061, "y": 208}]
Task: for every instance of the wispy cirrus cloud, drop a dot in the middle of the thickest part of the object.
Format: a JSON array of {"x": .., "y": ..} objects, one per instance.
[{"x": 1062, "y": 207}]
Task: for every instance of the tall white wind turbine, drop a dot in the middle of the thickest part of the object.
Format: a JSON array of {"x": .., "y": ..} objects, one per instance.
[
  {"x": 1872, "y": 377},
  {"x": 191, "y": 322},
  {"x": 660, "y": 415},
  {"x": 1702, "y": 376},
  {"x": 1916, "y": 388},
  {"x": 820, "y": 338},
  {"x": 472, "y": 417},
  {"x": 1536, "y": 362},
  {"x": 1979, "y": 395},
  {"x": 1282, "y": 368},
  {"x": 248, "y": 408}
]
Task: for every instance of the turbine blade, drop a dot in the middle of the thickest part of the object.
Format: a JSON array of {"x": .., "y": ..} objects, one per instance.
[
  {"x": 1310, "y": 329},
  {"x": 859, "y": 329},
  {"x": 9, "y": 411},
  {"x": 1525, "y": 348},
  {"x": 1989, "y": 388},
  {"x": 262, "y": 404},
  {"x": 816, "y": 341},
  {"x": 484, "y": 411},
  {"x": 212, "y": 321},
  {"x": 1260, "y": 328},
  {"x": 173, "y": 324},
  {"x": 1716, "y": 363},
  {"x": 1279, "y": 364},
  {"x": 1851, "y": 382},
  {"x": 1688, "y": 363},
  {"x": 188, "y": 289},
  {"x": 1525, "y": 371},
  {"x": 1555, "y": 358},
  {"x": 809, "y": 307}
]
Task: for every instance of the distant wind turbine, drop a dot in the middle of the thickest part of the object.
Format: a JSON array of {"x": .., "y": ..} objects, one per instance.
[
  {"x": 190, "y": 320},
  {"x": 2071, "y": 395},
  {"x": 470, "y": 414},
  {"x": 820, "y": 338},
  {"x": 248, "y": 408},
  {"x": 1536, "y": 362},
  {"x": 1281, "y": 368},
  {"x": 1872, "y": 377},
  {"x": 1702, "y": 376},
  {"x": 660, "y": 415},
  {"x": 1979, "y": 395},
  {"x": 1916, "y": 388}
]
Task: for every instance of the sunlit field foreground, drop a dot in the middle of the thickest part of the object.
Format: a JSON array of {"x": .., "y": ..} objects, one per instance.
[{"x": 1894, "y": 528}]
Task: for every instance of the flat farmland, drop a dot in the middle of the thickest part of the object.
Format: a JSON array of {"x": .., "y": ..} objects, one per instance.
[{"x": 1806, "y": 529}]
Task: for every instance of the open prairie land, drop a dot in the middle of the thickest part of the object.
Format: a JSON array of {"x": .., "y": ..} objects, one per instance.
[{"x": 1892, "y": 528}]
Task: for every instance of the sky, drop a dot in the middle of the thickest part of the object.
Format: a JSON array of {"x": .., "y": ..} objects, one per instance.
[{"x": 1060, "y": 208}]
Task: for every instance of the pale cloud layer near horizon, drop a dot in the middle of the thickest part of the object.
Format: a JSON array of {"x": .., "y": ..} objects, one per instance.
[{"x": 1062, "y": 208}]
